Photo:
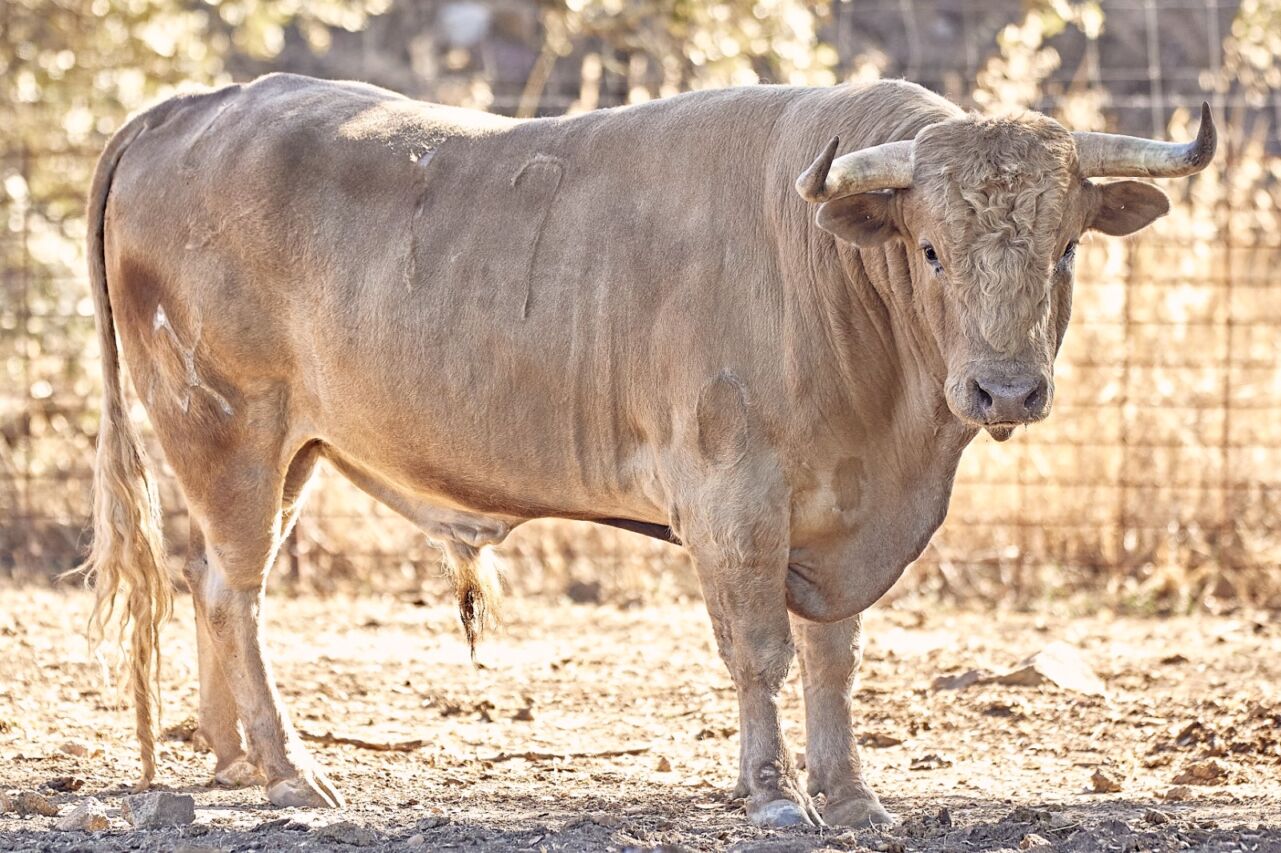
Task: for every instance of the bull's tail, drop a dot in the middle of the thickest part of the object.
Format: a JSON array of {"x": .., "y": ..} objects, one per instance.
[
  {"x": 478, "y": 586},
  {"x": 127, "y": 559}
]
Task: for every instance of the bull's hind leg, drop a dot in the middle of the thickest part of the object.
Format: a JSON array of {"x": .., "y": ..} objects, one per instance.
[
  {"x": 218, "y": 723},
  {"x": 242, "y": 509},
  {"x": 830, "y": 657},
  {"x": 218, "y": 726}
]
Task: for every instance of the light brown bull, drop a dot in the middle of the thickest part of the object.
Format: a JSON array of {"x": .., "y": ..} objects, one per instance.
[{"x": 628, "y": 316}]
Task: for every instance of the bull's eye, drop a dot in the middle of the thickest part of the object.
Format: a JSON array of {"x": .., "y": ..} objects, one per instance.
[
  {"x": 931, "y": 257},
  {"x": 1068, "y": 253}
]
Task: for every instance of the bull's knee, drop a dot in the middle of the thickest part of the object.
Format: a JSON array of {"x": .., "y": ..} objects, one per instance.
[
  {"x": 224, "y": 606},
  {"x": 764, "y": 659}
]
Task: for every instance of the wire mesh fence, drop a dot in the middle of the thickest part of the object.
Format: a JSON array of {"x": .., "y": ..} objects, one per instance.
[{"x": 1157, "y": 472}]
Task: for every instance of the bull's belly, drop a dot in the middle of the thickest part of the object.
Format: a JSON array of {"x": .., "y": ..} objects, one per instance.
[{"x": 489, "y": 459}]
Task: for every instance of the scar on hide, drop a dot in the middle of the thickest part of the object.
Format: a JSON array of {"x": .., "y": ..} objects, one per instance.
[
  {"x": 722, "y": 420},
  {"x": 556, "y": 169},
  {"x": 160, "y": 325},
  {"x": 847, "y": 482},
  {"x": 422, "y": 156}
]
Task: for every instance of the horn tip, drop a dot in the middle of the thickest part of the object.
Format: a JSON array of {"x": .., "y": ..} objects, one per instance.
[
  {"x": 812, "y": 183},
  {"x": 1207, "y": 137}
]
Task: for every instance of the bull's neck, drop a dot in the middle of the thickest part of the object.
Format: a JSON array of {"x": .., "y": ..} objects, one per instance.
[{"x": 866, "y": 360}]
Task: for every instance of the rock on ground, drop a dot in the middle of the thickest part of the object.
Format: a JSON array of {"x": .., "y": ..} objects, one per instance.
[
  {"x": 1059, "y": 664},
  {"x": 1104, "y": 783},
  {"x": 89, "y": 816},
  {"x": 29, "y": 802},
  {"x": 346, "y": 832},
  {"x": 1208, "y": 772},
  {"x": 159, "y": 808}
]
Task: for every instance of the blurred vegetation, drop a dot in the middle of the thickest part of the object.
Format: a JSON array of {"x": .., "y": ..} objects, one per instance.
[
  {"x": 692, "y": 45},
  {"x": 72, "y": 70},
  {"x": 1155, "y": 480}
]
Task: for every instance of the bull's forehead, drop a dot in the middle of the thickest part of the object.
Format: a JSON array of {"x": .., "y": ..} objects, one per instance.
[{"x": 996, "y": 189}]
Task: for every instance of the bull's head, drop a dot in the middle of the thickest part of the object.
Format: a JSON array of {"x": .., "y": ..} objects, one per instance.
[{"x": 990, "y": 211}]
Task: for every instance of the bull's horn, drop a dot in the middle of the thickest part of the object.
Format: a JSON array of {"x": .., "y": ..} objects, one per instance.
[
  {"x": 881, "y": 167},
  {"x": 1111, "y": 155}
]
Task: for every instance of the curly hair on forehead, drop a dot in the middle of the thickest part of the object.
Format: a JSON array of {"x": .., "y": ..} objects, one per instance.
[{"x": 1000, "y": 185}]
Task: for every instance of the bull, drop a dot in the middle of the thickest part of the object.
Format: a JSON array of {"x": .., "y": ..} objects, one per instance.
[{"x": 638, "y": 316}]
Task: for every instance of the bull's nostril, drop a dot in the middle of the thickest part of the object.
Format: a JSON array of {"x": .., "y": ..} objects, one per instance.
[
  {"x": 1036, "y": 398},
  {"x": 984, "y": 398}
]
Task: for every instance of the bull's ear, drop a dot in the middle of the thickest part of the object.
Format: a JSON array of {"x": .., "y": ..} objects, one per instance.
[
  {"x": 1126, "y": 206},
  {"x": 865, "y": 219}
]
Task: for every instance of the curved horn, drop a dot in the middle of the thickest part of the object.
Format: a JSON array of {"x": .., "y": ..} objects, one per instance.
[
  {"x": 881, "y": 167},
  {"x": 1111, "y": 155}
]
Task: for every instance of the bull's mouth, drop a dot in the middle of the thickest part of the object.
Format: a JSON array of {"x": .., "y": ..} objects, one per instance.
[{"x": 1000, "y": 432}]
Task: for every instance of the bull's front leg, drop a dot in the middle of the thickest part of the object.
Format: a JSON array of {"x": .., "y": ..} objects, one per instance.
[
  {"x": 830, "y": 657},
  {"x": 742, "y": 574}
]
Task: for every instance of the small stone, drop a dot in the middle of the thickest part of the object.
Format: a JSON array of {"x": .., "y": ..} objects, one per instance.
[
  {"x": 188, "y": 847},
  {"x": 1032, "y": 841},
  {"x": 1177, "y": 794},
  {"x": 158, "y": 808},
  {"x": 524, "y": 715},
  {"x": 1155, "y": 817},
  {"x": 1059, "y": 664},
  {"x": 183, "y": 731},
  {"x": 283, "y": 824},
  {"x": 663, "y": 766},
  {"x": 585, "y": 592},
  {"x": 65, "y": 783},
  {"x": 1208, "y": 772},
  {"x": 1102, "y": 783},
  {"x": 89, "y": 816},
  {"x": 74, "y": 747},
  {"x": 433, "y": 821},
  {"x": 879, "y": 740},
  {"x": 962, "y": 681},
  {"x": 1114, "y": 828},
  {"x": 346, "y": 832},
  {"x": 29, "y": 802},
  {"x": 6, "y": 804},
  {"x": 930, "y": 761},
  {"x": 416, "y": 840},
  {"x": 605, "y": 819}
]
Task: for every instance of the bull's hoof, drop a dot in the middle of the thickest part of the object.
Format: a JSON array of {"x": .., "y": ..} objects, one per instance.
[
  {"x": 777, "y": 814},
  {"x": 861, "y": 812},
  {"x": 309, "y": 790},
  {"x": 241, "y": 773}
]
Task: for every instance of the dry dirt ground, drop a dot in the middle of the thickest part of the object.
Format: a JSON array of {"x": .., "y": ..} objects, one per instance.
[{"x": 600, "y": 728}]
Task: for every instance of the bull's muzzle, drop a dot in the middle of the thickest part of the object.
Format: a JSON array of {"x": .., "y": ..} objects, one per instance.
[{"x": 1006, "y": 401}]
